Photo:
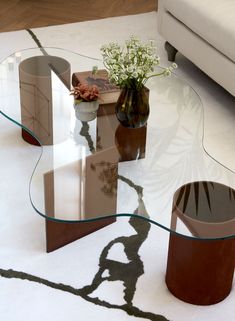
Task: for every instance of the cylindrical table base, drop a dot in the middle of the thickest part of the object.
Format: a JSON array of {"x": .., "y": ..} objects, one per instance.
[
  {"x": 29, "y": 138},
  {"x": 200, "y": 271}
]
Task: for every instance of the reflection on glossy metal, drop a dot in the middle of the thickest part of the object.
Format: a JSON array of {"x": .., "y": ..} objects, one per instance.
[
  {"x": 201, "y": 271},
  {"x": 206, "y": 208},
  {"x": 130, "y": 142},
  {"x": 38, "y": 107},
  {"x": 59, "y": 234}
]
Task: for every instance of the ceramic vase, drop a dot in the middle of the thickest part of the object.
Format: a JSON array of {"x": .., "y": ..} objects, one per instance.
[{"x": 86, "y": 110}]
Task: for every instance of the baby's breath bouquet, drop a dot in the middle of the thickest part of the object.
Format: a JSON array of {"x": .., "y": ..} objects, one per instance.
[{"x": 132, "y": 65}]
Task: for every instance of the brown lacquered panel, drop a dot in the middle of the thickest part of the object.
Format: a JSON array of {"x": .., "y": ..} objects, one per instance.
[
  {"x": 59, "y": 234},
  {"x": 200, "y": 271},
  {"x": 90, "y": 186}
]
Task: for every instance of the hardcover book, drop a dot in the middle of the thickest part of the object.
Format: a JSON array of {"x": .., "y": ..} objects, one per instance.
[{"x": 109, "y": 93}]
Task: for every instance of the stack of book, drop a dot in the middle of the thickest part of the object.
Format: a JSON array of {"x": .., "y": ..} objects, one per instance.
[{"x": 109, "y": 93}]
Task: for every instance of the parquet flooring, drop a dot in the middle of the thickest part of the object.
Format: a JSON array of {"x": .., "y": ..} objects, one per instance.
[{"x": 23, "y": 14}]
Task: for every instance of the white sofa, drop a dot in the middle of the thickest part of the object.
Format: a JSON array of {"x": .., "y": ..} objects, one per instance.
[{"x": 204, "y": 32}]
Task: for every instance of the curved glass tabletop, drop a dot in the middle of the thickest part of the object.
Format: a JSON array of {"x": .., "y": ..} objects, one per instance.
[{"x": 91, "y": 168}]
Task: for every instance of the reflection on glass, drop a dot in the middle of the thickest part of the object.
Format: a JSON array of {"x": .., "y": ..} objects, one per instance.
[
  {"x": 82, "y": 189},
  {"x": 206, "y": 208},
  {"x": 130, "y": 142},
  {"x": 85, "y": 133}
]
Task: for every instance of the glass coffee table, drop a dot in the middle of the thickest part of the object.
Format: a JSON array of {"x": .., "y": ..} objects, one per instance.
[{"x": 90, "y": 171}]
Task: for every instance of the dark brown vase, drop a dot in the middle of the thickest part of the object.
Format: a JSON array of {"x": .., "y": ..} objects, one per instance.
[{"x": 132, "y": 107}]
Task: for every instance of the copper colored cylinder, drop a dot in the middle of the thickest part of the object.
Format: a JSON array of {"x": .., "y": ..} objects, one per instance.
[
  {"x": 39, "y": 108},
  {"x": 200, "y": 271}
]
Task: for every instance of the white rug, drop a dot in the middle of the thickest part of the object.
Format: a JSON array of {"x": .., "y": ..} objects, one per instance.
[{"x": 22, "y": 239}]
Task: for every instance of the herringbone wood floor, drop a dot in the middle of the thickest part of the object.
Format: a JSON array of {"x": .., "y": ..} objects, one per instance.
[{"x": 22, "y": 14}]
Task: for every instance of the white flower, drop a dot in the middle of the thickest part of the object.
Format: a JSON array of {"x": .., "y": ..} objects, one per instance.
[
  {"x": 167, "y": 72},
  {"x": 132, "y": 64},
  {"x": 135, "y": 74},
  {"x": 130, "y": 69},
  {"x": 124, "y": 76}
]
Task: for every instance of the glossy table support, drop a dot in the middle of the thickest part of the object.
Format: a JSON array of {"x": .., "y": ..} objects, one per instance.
[
  {"x": 91, "y": 199},
  {"x": 59, "y": 234},
  {"x": 109, "y": 134},
  {"x": 201, "y": 271},
  {"x": 36, "y": 94}
]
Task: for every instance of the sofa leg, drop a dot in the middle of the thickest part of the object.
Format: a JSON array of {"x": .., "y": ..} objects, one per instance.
[{"x": 171, "y": 51}]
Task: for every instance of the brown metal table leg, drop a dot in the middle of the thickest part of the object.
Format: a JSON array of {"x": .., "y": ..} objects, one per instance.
[
  {"x": 59, "y": 234},
  {"x": 200, "y": 271}
]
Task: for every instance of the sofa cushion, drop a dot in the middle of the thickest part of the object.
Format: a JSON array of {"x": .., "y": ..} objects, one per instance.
[{"x": 213, "y": 20}]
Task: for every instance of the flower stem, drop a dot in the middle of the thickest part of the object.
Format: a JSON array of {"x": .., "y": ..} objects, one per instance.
[{"x": 153, "y": 75}]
